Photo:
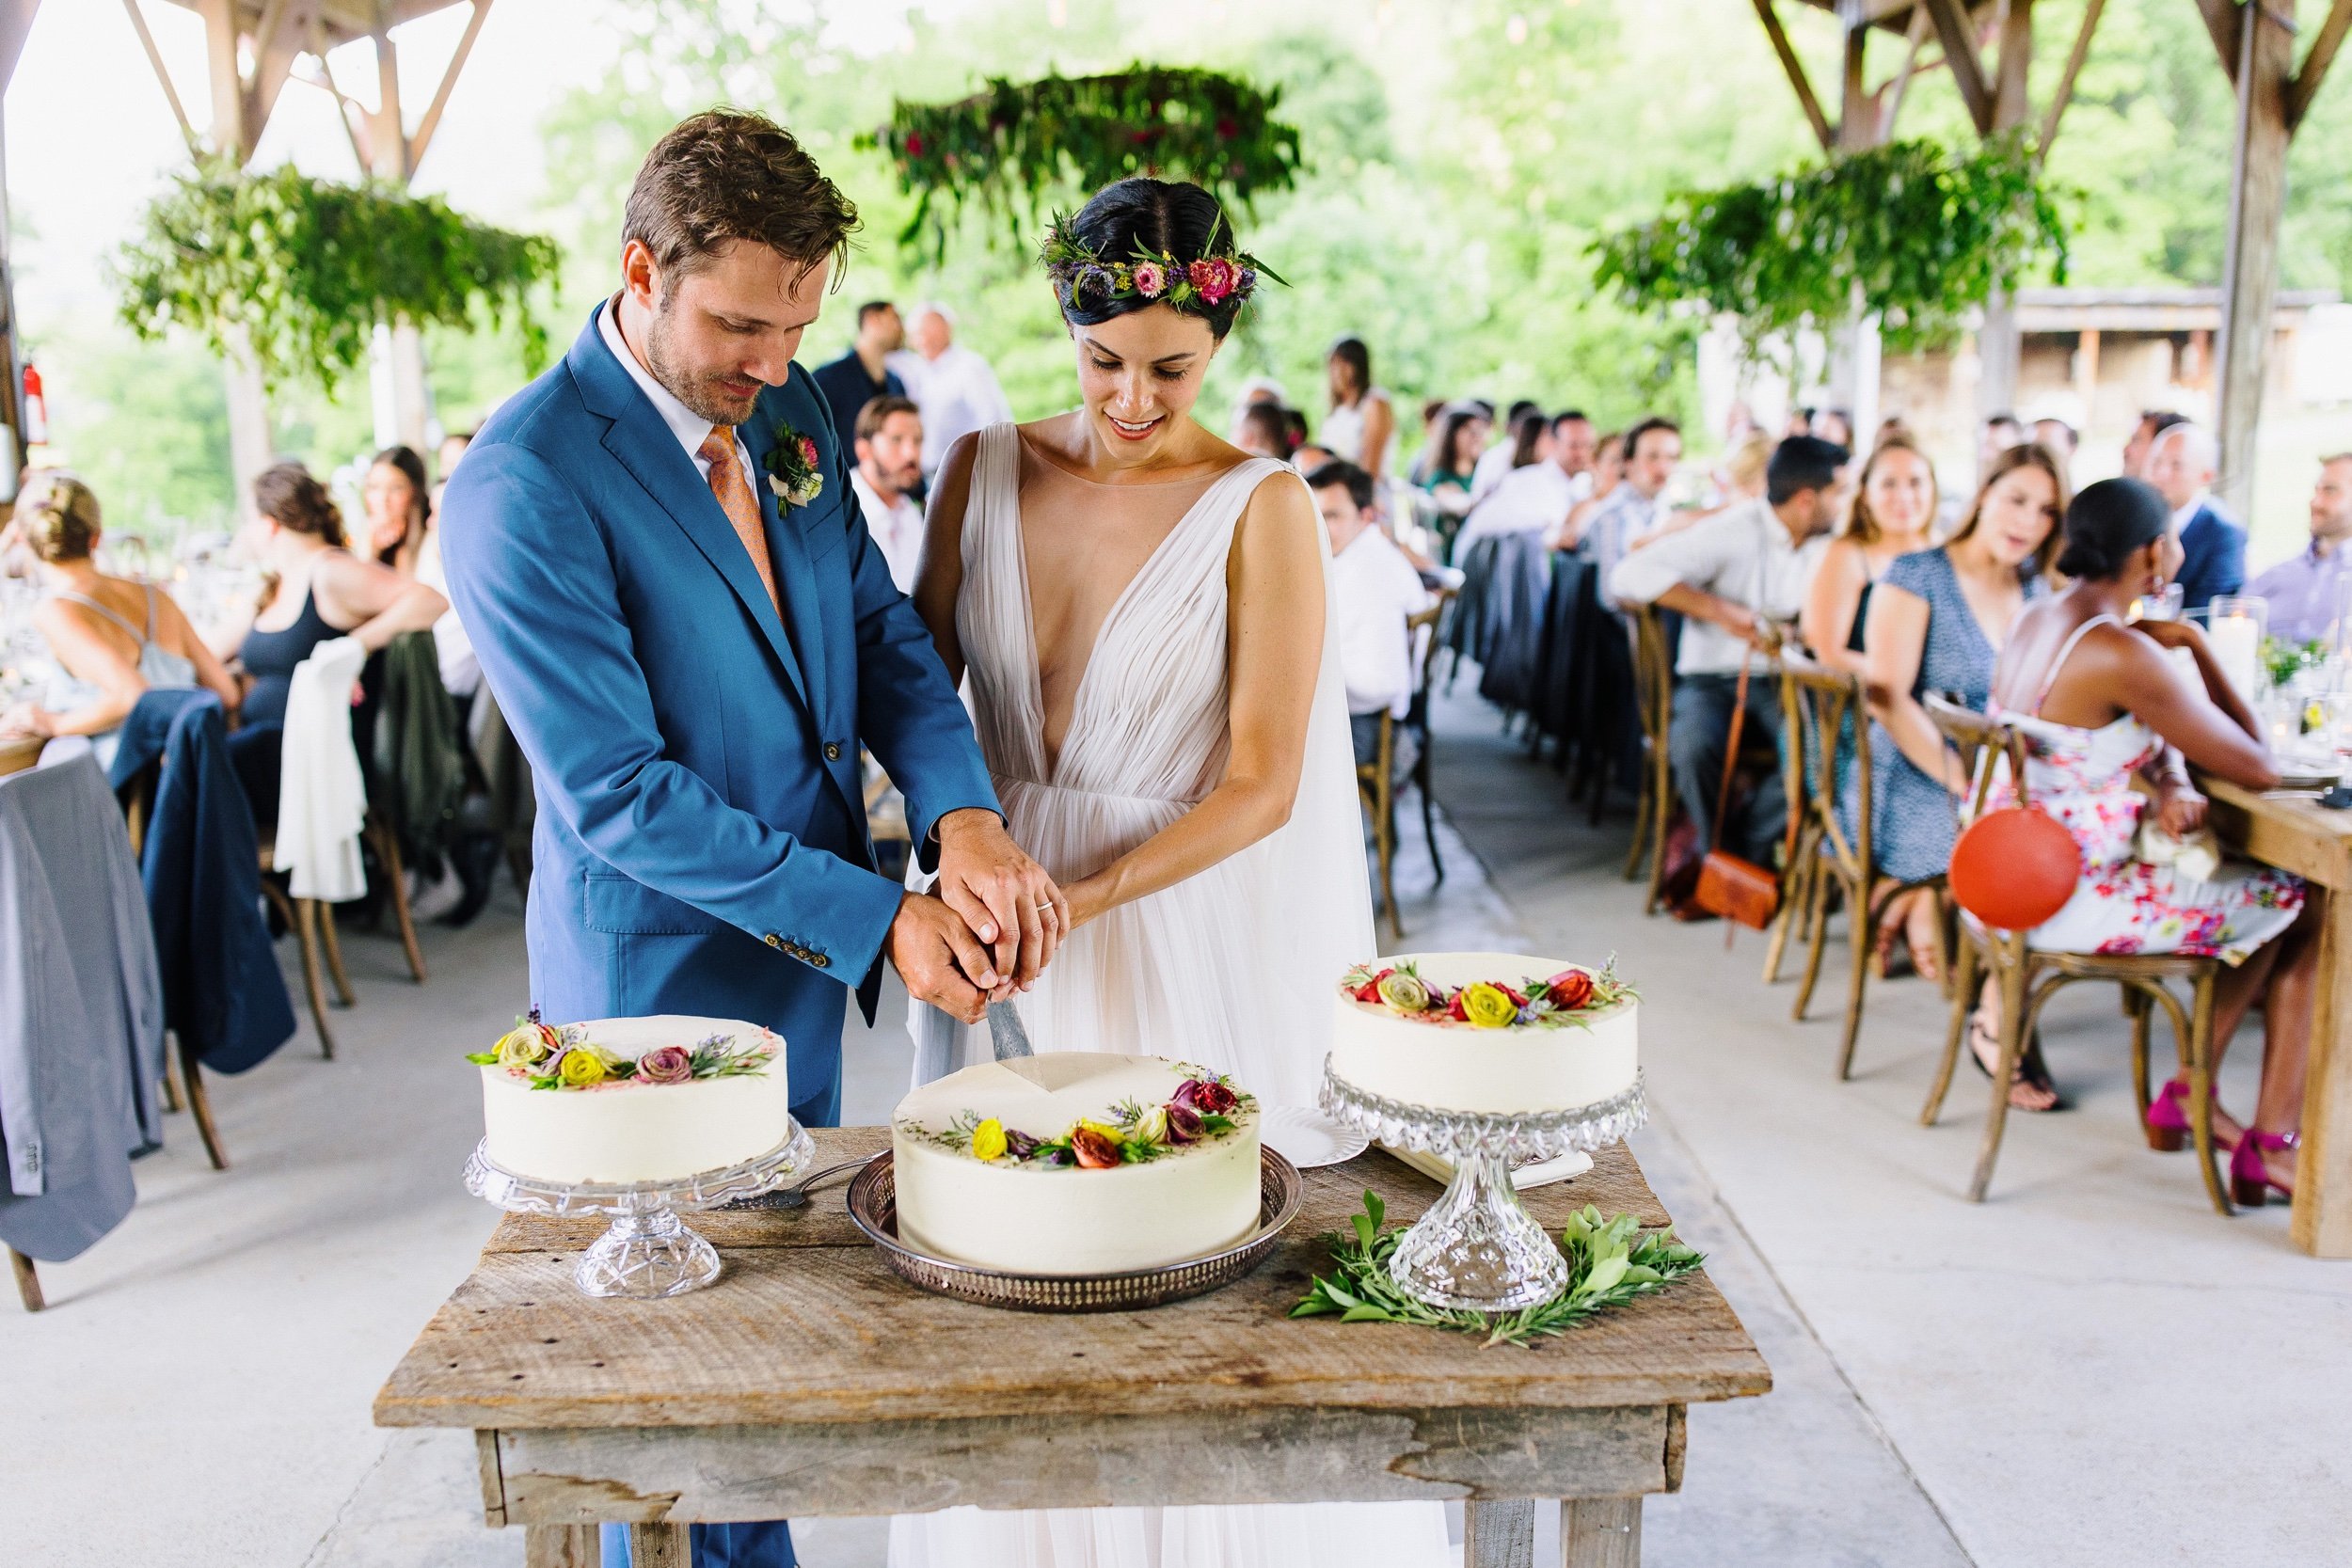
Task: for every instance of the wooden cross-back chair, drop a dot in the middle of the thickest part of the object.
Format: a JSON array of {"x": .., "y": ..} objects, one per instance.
[
  {"x": 1653, "y": 697},
  {"x": 1826, "y": 719},
  {"x": 2027, "y": 977},
  {"x": 1375, "y": 781}
]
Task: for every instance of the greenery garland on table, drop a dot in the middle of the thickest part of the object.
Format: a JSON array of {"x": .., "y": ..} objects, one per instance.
[
  {"x": 1005, "y": 149},
  {"x": 1917, "y": 233},
  {"x": 1611, "y": 1262},
  {"x": 305, "y": 269}
]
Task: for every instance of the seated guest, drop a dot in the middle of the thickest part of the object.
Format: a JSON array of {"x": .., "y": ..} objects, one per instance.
[
  {"x": 2306, "y": 591},
  {"x": 1458, "y": 441},
  {"x": 1432, "y": 410},
  {"x": 1256, "y": 391},
  {"x": 1262, "y": 432},
  {"x": 1526, "y": 434},
  {"x": 1800, "y": 424},
  {"x": 1893, "y": 512},
  {"x": 2102, "y": 703},
  {"x": 1608, "y": 469},
  {"x": 1999, "y": 432},
  {"x": 113, "y": 639},
  {"x": 889, "y": 438},
  {"x": 1309, "y": 455},
  {"x": 2182, "y": 463},
  {"x": 2152, "y": 424},
  {"x": 1834, "y": 425},
  {"x": 1741, "y": 476},
  {"x": 2058, "y": 437},
  {"x": 1938, "y": 619},
  {"x": 316, "y": 591},
  {"x": 1375, "y": 588},
  {"x": 1541, "y": 494},
  {"x": 1637, "y": 504},
  {"x": 863, "y": 373},
  {"x": 400, "y": 509},
  {"x": 1735, "y": 577}
]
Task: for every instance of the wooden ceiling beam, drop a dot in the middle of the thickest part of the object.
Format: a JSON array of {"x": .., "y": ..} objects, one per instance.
[
  {"x": 431, "y": 121},
  {"x": 1797, "y": 78},
  {"x": 2315, "y": 70},
  {"x": 2221, "y": 21},
  {"x": 1957, "y": 30},
  {"x": 155, "y": 58},
  {"x": 2074, "y": 57}
]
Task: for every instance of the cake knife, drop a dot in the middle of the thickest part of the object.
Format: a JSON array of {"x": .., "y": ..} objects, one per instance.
[{"x": 1005, "y": 1029}]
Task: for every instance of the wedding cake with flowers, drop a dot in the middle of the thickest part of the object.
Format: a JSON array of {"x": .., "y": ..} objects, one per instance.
[
  {"x": 631, "y": 1099},
  {"x": 1493, "y": 1034},
  {"x": 1075, "y": 1164}
]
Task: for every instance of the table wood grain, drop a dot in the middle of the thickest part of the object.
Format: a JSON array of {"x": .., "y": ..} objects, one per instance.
[{"x": 2296, "y": 833}]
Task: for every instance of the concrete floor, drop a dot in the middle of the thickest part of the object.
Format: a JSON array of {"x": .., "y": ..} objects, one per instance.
[{"x": 2093, "y": 1368}]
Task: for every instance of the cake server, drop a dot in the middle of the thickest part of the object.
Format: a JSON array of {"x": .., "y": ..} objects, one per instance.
[{"x": 1005, "y": 1028}]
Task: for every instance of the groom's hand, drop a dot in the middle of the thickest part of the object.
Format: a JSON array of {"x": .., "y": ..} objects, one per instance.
[
  {"x": 1004, "y": 895},
  {"x": 940, "y": 959}
]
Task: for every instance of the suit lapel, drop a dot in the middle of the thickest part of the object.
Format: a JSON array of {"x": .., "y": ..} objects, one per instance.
[
  {"x": 796, "y": 581},
  {"x": 643, "y": 445}
]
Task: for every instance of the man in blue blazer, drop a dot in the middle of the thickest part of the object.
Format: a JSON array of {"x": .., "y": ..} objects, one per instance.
[
  {"x": 657, "y": 554},
  {"x": 2182, "y": 464}
]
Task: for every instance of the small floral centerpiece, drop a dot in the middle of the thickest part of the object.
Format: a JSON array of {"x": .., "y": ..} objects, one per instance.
[
  {"x": 792, "y": 472},
  {"x": 1204, "y": 1109},
  {"x": 1572, "y": 997},
  {"x": 566, "y": 1058}
]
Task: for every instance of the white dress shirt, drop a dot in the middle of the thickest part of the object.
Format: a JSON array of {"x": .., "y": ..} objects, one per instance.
[
  {"x": 690, "y": 428},
  {"x": 956, "y": 394},
  {"x": 897, "y": 526},
  {"x": 1743, "y": 554},
  {"x": 1494, "y": 467},
  {"x": 1538, "y": 495},
  {"x": 1376, "y": 589}
]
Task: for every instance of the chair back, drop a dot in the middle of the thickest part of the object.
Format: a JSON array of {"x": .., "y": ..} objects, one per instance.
[
  {"x": 1653, "y": 674},
  {"x": 1826, "y": 715},
  {"x": 1979, "y": 737}
]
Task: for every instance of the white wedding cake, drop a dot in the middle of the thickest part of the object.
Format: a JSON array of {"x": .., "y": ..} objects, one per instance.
[
  {"x": 1484, "y": 1033},
  {"x": 621, "y": 1100},
  {"x": 1072, "y": 1162}
]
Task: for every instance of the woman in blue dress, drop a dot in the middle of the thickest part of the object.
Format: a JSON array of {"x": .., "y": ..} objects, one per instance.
[{"x": 1937, "y": 621}]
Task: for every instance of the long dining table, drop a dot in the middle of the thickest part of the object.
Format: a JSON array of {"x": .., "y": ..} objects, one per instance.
[{"x": 2292, "y": 832}]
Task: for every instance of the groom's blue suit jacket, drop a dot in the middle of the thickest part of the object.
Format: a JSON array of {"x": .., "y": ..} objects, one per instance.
[{"x": 701, "y": 844}]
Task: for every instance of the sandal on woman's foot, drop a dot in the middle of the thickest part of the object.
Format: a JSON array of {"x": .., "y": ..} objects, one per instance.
[{"x": 2032, "y": 1089}]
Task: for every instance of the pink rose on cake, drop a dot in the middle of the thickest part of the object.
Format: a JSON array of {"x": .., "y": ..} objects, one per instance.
[{"x": 666, "y": 1064}]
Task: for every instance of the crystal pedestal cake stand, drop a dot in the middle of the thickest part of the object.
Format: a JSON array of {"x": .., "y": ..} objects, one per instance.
[
  {"x": 1476, "y": 1247},
  {"x": 648, "y": 1251}
]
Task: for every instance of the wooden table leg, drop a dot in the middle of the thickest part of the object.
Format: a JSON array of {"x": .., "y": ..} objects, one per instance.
[
  {"x": 1601, "y": 1532},
  {"x": 561, "y": 1547},
  {"x": 1498, "y": 1534},
  {"x": 658, "y": 1546},
  {"x": 2323, "y": 1172}
]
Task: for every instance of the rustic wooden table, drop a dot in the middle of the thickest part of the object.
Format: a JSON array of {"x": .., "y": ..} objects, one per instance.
[
  {"x": 2296, "y": 833},
  {"x": 811, "y": 1381}
]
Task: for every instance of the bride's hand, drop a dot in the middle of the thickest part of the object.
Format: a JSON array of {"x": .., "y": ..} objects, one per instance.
[{"x": 1004, "y": 895}]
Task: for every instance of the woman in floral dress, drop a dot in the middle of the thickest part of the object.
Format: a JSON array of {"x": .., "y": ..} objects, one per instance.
[{"x": 2101, "y": 701}]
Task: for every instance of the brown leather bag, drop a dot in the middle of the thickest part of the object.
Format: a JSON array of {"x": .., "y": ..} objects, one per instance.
[{"x": 1730, "y": 885}]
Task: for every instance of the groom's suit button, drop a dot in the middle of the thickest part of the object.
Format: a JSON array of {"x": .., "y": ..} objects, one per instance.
[
  {"x": 820, "y": 961},
  {"x": 832, "y": 751},
  {"x": 774, "y": 941}
]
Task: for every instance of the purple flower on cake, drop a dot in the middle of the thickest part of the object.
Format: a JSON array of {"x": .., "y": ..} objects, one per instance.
[
  {"x": 1095, "y": 1149},
  {"x": 1183, "y": 1124},
  {"x": 1206, "y": 1096},
  {"x": 666, "y": 1064}
]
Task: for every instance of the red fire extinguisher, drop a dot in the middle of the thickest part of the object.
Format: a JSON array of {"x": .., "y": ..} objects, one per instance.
[{"x": 36, "y": 408}]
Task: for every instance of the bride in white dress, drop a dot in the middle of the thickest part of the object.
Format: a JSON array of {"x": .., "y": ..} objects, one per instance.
[{"x": 1141, "y": 609}]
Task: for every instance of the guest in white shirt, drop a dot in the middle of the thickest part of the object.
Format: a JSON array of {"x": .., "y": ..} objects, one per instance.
[
  {"x": 1377, "y": 588},
  {"x": 1630, "y": 511},
  {"x": 1524, "y": 432},
  {"x": 1737, "y": 577},
  {"x": 889, "y": 465},
  {"x": 953, "y": 386},
  {"x": 1541, "y": 494}
]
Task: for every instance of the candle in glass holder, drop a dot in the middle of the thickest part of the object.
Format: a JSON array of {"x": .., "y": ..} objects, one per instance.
[{"x": 2234, "y": 632}]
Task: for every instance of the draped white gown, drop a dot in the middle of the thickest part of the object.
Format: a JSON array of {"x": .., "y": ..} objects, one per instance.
[{"x": 1232, "y": 968}]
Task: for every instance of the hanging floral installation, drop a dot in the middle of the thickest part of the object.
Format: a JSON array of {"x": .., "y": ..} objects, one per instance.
[
  {"x": 1917, "y": 235},
  {"x": 1011, "y": 147}
]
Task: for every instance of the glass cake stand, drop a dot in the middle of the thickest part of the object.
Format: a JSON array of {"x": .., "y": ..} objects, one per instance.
[
  {"x": 647, "y": 1252},
  {"x": 1477, "y": 1247}
]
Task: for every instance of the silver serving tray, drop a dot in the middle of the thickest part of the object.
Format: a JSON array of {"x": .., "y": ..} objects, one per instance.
[{"x": 874, "y": 1205}]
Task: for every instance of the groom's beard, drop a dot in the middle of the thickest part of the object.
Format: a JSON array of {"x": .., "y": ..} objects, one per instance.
[{"x": 705, "y": 395}]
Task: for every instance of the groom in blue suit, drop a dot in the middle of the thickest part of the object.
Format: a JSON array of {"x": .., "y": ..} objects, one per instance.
[{"x": 656, "y": 552}]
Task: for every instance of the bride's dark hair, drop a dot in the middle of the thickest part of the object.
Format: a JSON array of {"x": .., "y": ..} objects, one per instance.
[{"x": 1161, "y": 217}]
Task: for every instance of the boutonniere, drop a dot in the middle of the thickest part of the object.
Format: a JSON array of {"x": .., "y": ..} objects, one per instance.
[{"x": 792, "y": 468}]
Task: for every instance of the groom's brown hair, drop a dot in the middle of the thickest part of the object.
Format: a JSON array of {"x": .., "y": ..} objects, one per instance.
[{"x": 727, "y": 175}]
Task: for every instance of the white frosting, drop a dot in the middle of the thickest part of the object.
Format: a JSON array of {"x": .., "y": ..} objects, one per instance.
[
  {"x": 1033, "y": 1219},
  {"x": 628, "y": 1132},
  {"x": 1456, "y": 1066}
]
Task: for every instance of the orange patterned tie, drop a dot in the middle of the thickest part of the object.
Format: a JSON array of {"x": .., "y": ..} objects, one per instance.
[{"x": 736, "y": 499}]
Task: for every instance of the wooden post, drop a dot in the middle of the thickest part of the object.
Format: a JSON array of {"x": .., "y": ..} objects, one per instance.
[
  {"x": 658, "y": 1546},
  {"x": 2087, "y": 375},
  {"x": 2249, "y": 261},
  {"x": 1601, "y": 1533},
  {"x": 1498, "y": 1535}
]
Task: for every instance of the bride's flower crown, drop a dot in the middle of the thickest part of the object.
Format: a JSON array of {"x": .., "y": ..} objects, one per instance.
[{"x": 1085, "y": 281}]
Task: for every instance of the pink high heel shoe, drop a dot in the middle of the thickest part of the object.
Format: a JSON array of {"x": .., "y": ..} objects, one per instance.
[
  {"x": 2167, "y": 1127},
  {"x": 2250, "y": 1181}
]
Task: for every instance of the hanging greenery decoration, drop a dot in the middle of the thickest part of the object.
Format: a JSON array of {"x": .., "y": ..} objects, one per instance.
[
  {"x": 1913, "y": 232},
  {"x": 299, "y": 272},
  {"x": 1009, "y": 148}
]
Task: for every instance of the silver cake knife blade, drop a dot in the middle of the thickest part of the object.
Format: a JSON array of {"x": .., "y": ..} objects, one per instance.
[{"x": 1006, "y": 1030}]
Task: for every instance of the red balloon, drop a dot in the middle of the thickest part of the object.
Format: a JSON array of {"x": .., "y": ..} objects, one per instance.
[{"x": 2014, "y": 868}]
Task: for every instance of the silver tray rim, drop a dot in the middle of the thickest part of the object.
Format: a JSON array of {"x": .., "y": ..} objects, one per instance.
[{"x": 1126, "y": 1291}]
